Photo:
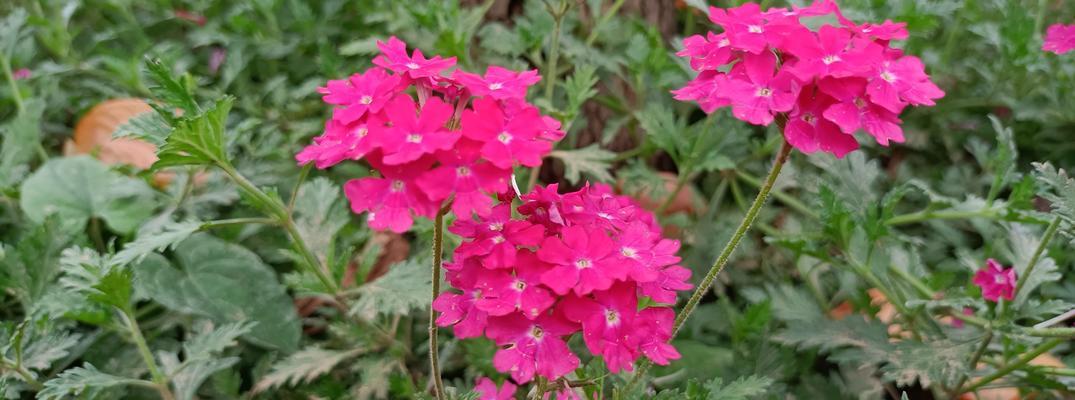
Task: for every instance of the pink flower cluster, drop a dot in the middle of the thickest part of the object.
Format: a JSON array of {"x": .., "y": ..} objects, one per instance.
[
  {"x": 829, "y": 83},
  {"x": 1059, "y": 39},
  {"x": 996, "y": 281},
  {"x": 432, "y": 138},
  {"x": 573, "y": 262}
]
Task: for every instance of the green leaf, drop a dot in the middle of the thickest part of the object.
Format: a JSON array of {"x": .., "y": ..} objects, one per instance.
[
  {"x": 167, "y": 236},
  {"x": 187, "y": 377},
  {"x": 226, "y": 283},
  {"x": 45, "y": 348},
  {"x": 76, "y": 189},
  {"x": 75, "y": 381},
  {"x": 28, "y": 267},
  {"x": 1060, "y": 191},
  {"x": 21, "y": 137},
  {"x": 1024, "y": 243},
  {"x": 942, "y": 362},
  {"x": 850, "y": 339},
  {"x": 367, "y": 46},
  {"x": 591, "y": 160},
  {"x": 11, "y": 31},
  {"x": 302, "y": 367},
  {"x": 320, "y": 212},
  {"x": 665, "y": 130},
  {"x": 405, "y": 287},
  {"x": 210, "y": 343},
  {"x": 175, "y": 92},
  {"x": 744, "y": 388},
  {"x": 579, "y": 88},
  {"x": 93, "y": 276},
  {"x": 148, "y": 126},
  {"x": 197, "y": 140}
]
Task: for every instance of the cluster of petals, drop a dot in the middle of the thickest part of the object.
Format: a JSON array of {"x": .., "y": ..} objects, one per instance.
[
  {"x": 580, "y": 262},
  {"x": 996, "y": 281},
  {"x": 1059, "y": 38},
  {"x": 433, "y": 138},
  {"x": 829, "y": 83}
]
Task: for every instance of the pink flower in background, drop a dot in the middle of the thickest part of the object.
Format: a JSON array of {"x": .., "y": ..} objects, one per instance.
[
  {"x": 996, "y": 281},
  {"x": 216, "y": 59},
  {"x": 763, "y": 60},
  {"x": 487, "y": 390},
  {"x": 1059, "y": 38},
  {"x": 21, "y": 73}
]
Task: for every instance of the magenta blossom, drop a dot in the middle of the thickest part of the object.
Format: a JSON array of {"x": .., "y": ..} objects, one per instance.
[
  {"x": 533, "y": 346},
  {"x": 582, "y": 261},
  {"x": 359, "y": 94},
  {"x": 393, "y": 200},
  {"x": 996, "y": 281},
  {"x": 1059, "y": 38},
  {"x": 769, "y": 63},
  {"x": 394, "y": 57},
  {"x": 507, "y": 139},
  {"x": 487, "y": 390},
  {"x": 498, "y": 83},
  {"x": 21, "y": 73}
]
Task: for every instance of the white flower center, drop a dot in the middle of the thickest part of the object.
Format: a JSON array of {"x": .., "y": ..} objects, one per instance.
[
  {"x": 724, "y": 42},
  {"x": 604, "y": 215},
  {"x": 859, "y": 102},
  {"x": 496, "y": 226},
  {"x": 462, "y": 171},
  {"x": 763, "y": 92},
  {"x": 809, "y": 118},
  {"x": 999, "y": 279},
  {"x": 830, "y": 59},
  {"x": 504, "y": 137},
  {"x": 398, "y": 186},
  {"x": 495, "y": 86},
  {"x": 629, "y": 252},
  {"x": 361, "y": 131},
  {"x": 754, "y": 29},
  {"x": 888, "y": 76},
  {"x": 366, "y": 100},
  {"x": 412, "y": 65},
  {"x": 536, "y": 332},
  {"x": 519, "y": 285},
  {"x": 612, "y": 317},
  {"x": 414, "y": 138},
  {"x": 498, "y": 239},
  {"x": 583, "y": 263}
]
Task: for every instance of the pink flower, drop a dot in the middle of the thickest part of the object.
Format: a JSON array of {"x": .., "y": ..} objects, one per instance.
[
  {"x": 582, "y": 260},
  {"x": 524, "y": 293},
  {"x": 533, "y": 346},
  {"x": 496, "y": 237},
  {"x": 758, "y": 91},
  {"x": 808, "y": 131},
  {"x": 360, "y": 94},
  {"x": 669, "y": 280},
  {"x": 653, "y": 330},
  {"x": 460, "y": 309},
  {"x": 21, "y": 73},
  {"x": 824, "y": 56},
  {"x": 339, "y": 142},
  {"x": 748, "y": 29},
  {"x": 394, "y": 57},
  {"x": 1059, "y": 38},
  {"x": 852, "y": 111},
  {"x": 607, "y": 323},
  {"x": 507, "y": 138},
  {"x": 896, "y": 83},
  {"x": 394, "y": 200},
  {"x": 707, "y": 53},
  {"x": 996, "y": 281},
  {"x": 708, "y": 89},
  {"x": 216, "y": 59},
  {"x": 487, "y": 390},
  {"x": 498, "y": 83},
  {"x": 462, "y": 172},
  {"x": 414, "y": 133}
]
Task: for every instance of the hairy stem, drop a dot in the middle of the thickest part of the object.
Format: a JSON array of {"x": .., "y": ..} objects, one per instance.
[
  {"x": 729, "y": 248},
  {"x": 147, "y": 356},
  {"x": 23, "y": 373},
  {"x": 1019, "y": 362},
  {"x": 434, "y": 363}
]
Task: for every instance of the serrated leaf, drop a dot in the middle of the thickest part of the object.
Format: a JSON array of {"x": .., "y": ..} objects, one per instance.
[
  {"x": 852, "y": 339},
  {"x": 92, "y": 275},
  {"x": 591, "y": 160},
  {"x": 30, "y": 266},
  {"x": 664, "y": 130},
  {"x": 744, "y": 388},
  {"x": 11, "y": 30},
  {"x": 75, "y": 381},
  {"x": 320, "y": 212},
  {"x": 302, "y": 367},
  {"x": 579, "y": 87},
  {"x": 175, "y": 92},
  {"x": 226, "y": 283},
  {"x": 21, "y": 136},
  {"x": 169, "y": 235},
  {"x": 76, "y": 189},
  {"x": 404, "y": 288},
  {"x": 197, "y": 140},
  {"x": 941, "y": 363},
  {"x": 186, "y": 377},
  {"x": 147, "y": 126},
  {"x": 209, "y": 343},
  {"x": 1060, "y": 193},
  {"x": 41, "y": 352},
  {"x": 1024, "y": 243}
]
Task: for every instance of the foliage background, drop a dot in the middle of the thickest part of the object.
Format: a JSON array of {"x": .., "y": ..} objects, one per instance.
[{"x": 959, "y": 191}]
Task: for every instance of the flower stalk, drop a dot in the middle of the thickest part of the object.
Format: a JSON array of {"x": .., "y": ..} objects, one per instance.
[{"x": 438, "y": 248}]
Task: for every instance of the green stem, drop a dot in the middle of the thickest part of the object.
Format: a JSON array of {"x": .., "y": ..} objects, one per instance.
[
  {"x": 1058, "y": 371},
  {"x": 1045, "y": 239},
  {"x": 1019, "y": 362},
  {"x": 917, "y": 284},
  {"x": 434, "y": 363},
  {"x": 1039, "y": 20},
  {"x": 725, "y": 255},
  {"x": 298, "y": 184},
  {"x": 25, "y": 374},
  {"x": 973, "y": 364},
  {"x": 147, "y": 356},
  {"x": 920, "y": 216},
  {"x": 15, "y": 94},
  {"x": 237, "y": 221},
  {"x": 554, "y": 51}
]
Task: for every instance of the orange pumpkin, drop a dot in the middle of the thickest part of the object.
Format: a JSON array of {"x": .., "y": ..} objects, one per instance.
[{"x": 93, "y": 134}]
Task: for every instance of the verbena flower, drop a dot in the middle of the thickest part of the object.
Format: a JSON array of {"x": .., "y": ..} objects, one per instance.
[
  {"x": 996, "y": 281},
  {"x": 578, "y": 262},
  {"x": 1059, "y": 38},
  {"x": 846, "y": 76},
  {"x": 487, "y": 390},
  {"x": 433, "y": 140}
]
